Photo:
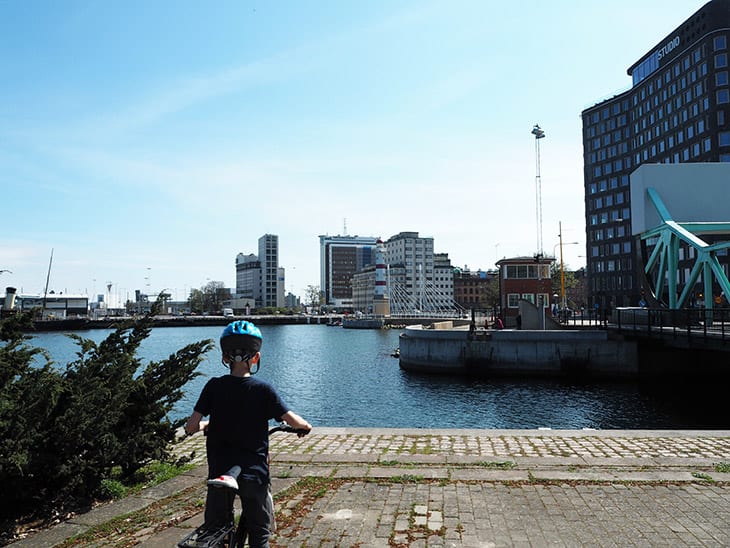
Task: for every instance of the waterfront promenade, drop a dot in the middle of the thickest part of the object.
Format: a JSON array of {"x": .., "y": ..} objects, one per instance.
[{"x": 474, "y": 488}]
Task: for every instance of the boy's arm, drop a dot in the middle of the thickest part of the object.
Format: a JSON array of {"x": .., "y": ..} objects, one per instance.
[
  {"x": 195, "y": 423},
  {"x": 295, "y": 421}
]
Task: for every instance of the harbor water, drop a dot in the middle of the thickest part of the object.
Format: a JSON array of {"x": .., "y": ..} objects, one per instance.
[{"x": 346, "y": 377}]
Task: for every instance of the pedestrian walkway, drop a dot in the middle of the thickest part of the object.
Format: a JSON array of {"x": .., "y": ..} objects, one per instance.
[{"x": 470, "y": 488}]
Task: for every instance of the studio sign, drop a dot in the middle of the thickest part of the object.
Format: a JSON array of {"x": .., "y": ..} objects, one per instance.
[{"x": 668, "y": 47}]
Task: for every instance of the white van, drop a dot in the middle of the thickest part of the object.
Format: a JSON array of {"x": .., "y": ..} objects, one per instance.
[{"x": 227, "y": 312}]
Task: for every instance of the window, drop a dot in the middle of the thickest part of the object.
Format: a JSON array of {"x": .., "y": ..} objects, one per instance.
[
  {"x": 721, "y": 78},
  {"x": 723, "y": 96},
  {"x": 513, "y": 300},
  {"x": 719, "y": 42},
  {"x": 721, "y": 60},
  {"x": 724, "y": 138}
]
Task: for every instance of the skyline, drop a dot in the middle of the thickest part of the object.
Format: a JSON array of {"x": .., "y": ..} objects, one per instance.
[{"x": 149, "y": 144}]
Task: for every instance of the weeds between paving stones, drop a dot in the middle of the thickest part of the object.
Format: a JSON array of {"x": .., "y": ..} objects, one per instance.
[
  {"x": 124, "y": 531},
  {"x": 295, "y": 502}
]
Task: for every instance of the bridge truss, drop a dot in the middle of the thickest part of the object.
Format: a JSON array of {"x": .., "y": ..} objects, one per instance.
[{"x": 660, "y": 248}]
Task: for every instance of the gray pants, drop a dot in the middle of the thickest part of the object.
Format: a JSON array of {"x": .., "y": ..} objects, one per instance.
[{"x": 258, "y": 510}]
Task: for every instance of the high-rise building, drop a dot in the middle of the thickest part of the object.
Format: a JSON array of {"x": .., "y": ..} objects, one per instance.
[
  {"x": 259, "y": 277},
  {"x": 677, "y": 110},
  {"x": 340, "y": 258},
  {"x": 271, "y": 276}
]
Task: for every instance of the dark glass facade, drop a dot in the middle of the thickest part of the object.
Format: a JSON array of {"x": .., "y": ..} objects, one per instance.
[{"x": 677, "y": 110}]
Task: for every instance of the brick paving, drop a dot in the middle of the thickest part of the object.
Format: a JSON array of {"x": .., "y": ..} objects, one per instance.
[{"x": 475, "y": 488}]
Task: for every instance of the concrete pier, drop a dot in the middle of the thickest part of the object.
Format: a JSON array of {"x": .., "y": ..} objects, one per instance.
[{"x": 517, "y": 352}]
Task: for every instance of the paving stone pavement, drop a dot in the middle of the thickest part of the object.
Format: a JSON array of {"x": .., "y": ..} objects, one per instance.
[{"x": 475, "y": 488}]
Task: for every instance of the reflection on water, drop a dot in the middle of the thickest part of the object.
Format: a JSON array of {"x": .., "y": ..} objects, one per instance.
[{"x": 343, "y": 377}]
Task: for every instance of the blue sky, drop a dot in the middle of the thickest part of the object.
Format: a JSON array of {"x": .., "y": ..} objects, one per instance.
[{"x": 149, "y": 142}]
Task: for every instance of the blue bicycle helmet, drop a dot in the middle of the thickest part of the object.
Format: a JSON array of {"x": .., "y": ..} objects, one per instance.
[{"x": 241, "y": 340}]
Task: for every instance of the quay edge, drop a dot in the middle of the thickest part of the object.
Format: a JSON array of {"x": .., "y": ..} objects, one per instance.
[{"x": 588, "y": 353}]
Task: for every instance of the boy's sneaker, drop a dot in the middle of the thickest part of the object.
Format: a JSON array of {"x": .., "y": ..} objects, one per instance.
[{"x": 224, "y": 481}]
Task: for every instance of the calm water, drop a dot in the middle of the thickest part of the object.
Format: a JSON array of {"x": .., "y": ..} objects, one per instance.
[{"x": 344, "y": 377}]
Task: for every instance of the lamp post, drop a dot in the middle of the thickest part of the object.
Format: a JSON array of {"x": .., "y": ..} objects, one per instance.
[{"x": 562, "y": 270}]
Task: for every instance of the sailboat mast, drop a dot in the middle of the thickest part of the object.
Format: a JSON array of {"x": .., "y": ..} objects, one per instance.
[{"x": 48, "y": 277}]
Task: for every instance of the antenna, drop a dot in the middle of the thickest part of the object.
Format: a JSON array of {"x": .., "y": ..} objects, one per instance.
[{"x": 344, "y": 227}]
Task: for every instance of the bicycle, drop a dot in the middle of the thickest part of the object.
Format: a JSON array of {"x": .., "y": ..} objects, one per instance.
[{"x": 228, "y": 535}]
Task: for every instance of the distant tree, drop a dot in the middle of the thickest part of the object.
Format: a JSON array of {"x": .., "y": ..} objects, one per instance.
[
  {"x": 196, "y": 301},
  {"x": 215, "y": 293},
  {"x": 571, "y": 283},
  {"x": 490, "y": 297},
  {"x": 209, "y": 298},
  {"x": 313, "y": 296}
]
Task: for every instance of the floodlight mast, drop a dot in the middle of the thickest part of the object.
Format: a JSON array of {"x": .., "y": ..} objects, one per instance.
[{"x": 539, "y": 134}]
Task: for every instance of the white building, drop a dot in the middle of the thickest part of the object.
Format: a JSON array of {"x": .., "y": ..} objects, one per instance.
[
  {"x": 410, "y": 266},
  {"x": 418, "y": 281},
  {"x": 259, "y": 277},
  {"x": 57, "y": 306}
]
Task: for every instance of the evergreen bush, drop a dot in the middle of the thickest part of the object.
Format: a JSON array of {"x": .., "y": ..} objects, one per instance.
[{"x": 63, "y": 429}]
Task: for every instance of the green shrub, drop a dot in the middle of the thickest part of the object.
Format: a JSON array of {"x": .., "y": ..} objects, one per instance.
[{"x": 67, "y": 431}]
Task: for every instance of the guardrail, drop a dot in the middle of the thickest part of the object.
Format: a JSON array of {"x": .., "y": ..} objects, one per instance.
[{"x": 709, "y": 326}]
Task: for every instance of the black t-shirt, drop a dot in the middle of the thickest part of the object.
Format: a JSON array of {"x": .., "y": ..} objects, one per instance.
[{"x": 240, "y": 409}]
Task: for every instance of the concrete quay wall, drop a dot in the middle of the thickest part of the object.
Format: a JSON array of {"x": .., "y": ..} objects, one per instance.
[{"x": 517, "y": 352}]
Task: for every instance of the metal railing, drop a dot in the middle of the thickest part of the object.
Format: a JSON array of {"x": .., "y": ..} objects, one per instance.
[{"x": 709, "y": 326}]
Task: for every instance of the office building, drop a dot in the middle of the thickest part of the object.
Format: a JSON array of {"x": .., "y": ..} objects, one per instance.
[
  {"x": 259, "y": 277},
  {"x": 340, "y": 258},
  {"x": 677, "y": 110},
  {"x": 248, "y": 277}
]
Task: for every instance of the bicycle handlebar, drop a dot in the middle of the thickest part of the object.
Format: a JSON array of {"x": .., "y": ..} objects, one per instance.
[{"x": 287, "y": 428}]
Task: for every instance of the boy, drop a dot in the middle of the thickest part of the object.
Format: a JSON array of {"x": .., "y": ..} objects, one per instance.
[{"x": 238, "y": 431}]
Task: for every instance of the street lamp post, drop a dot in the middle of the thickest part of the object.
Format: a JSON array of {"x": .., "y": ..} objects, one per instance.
[{"x": 562, "y": 270}]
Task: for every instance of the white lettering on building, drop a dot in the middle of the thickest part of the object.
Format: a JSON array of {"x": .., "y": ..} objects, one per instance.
[{"x": 668, "y": 47}]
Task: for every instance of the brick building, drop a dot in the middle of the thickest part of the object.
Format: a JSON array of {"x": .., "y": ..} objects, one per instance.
[{"x": 524, "y": 278}]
